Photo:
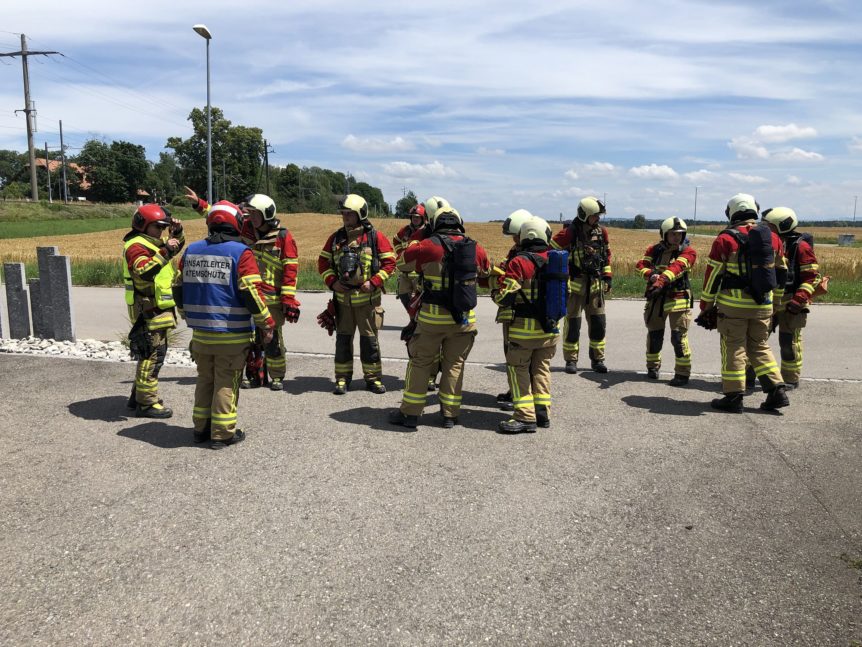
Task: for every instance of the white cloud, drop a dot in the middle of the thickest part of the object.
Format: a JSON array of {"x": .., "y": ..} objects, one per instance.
[
  {"x": 654, "y": 172},
  {"x": 748, "y": 179},
  {"x": 492, "y": 152},
  {"x": 780, "y": 134},
  {"x": 571, "y": 192},
  {"x": 855, "y": 145},
  {"x": 283, "y": 87},
  {"x": 799, "y": 155},
  {"x": 699, "y": 176},
  {"x": 376, "y": 145},
  {"x": 572, "y": 174},
  {"x": 748, "y": 148},
  {"x": 431, "y": 170},
  {"x": 599, "y": 167},
  {"x": 793, "y": 180}
]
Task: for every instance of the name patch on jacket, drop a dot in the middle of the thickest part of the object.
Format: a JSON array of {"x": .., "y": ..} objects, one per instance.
[{"x": 207, "y": 269}]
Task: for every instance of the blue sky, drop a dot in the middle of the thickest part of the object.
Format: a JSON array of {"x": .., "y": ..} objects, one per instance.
[{"x": 494, "y": 105}]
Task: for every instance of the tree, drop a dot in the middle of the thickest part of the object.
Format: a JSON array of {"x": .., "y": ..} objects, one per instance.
[
  {"x": 162, "y": 178},
  {"x": 405, "y": 204},
  {"x": 106, "y": 183},
  {"x": 237, "y": 152},
  {"x": 13, "y": 167},
  {"x": 130, "y": 162},
  {"x": 640, "y": 221}
]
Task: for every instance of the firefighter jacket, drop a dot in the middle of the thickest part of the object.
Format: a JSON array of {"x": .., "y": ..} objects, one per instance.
[
  {"x": 357, "y": 241},
  {"x": 505, "y": 314},
  {"x": 222, "y": 294},
  {"x": 426, "y": 257},
  {"x": 675, "y": 265},
  {"x": 278, "y": 260},
  {"x": 589, "y": 253},
  {"x": 724, "y": 259},
  {"x": 518, "y": 289},
  {"x": 803, "y": 271},
  {"x": 400, "y": 242},
  {"x": 148, "y": 275}
]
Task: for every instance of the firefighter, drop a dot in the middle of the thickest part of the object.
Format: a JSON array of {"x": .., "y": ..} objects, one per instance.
[
  {"x": 354, "y": 263},
  {"x": 148, "y": 275},
  {"x": 221, "y": 296},
  {"x": 277, "y": 257},
  {"x": 408, "y": 282},
  {"x": 666, "y": 267},
  {"x": 450, "y": 264},
  {"x": 530, "y": 343},
  {"x": 512, "y": 228},
  {"x": 743, "y": 323},
  {"x": 591, "y": 279},
  {"x": 801, "y": 279}
]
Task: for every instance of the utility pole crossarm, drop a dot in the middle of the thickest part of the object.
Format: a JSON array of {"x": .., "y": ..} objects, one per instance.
[{"x": 29, "y": 53}]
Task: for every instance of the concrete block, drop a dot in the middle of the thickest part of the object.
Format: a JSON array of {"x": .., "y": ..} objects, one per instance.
[
  {"x": 46, "y": 300},
  {"x": 36, "y": 309},
  {"x": 60, "y": 273},
  {"x": 17, "y": 300}
]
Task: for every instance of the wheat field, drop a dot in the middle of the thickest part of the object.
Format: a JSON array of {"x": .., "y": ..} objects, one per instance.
[{"x": 311, "y": 231}]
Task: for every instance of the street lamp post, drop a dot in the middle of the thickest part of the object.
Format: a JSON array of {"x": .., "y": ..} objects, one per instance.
[
  {"x": 202, "y": 31},
  {"x": 694, "y": 224}
]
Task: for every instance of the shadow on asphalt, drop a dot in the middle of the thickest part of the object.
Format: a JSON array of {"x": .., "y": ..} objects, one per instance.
[
  {"x": 484, "y": 400},
  {"x": 185, "y": 381},
  {"x": 163, "y": 435},
  {"x": 669, "y": 406},
  {"x": 371, "y": 417},
  {"x": 111, "y": 408},
  {"x": 310, "y": 383},
  {"x": 377, "y": 419}
]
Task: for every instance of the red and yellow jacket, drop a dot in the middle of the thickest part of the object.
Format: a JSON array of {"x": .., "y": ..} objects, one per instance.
[
  {"x": 278, "y": 259},
  {"x": 148, "y": 276},
  {"x": 357, "y": 238},
  {"x": 672, "y": 265},
  {"x": 803, "y": 271},
  {"x": 520, "y": 279},
  {"x": 426, "y": 257},
  {"x": 724, "y": 259},
  {"x": 592, "y": 247}
]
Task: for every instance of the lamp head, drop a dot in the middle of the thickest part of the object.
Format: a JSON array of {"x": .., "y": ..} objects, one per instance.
[{"x": 203, "y": 31}]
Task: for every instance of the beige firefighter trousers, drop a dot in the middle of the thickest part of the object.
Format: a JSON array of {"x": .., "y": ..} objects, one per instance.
[{"x": 217, "y": 388}]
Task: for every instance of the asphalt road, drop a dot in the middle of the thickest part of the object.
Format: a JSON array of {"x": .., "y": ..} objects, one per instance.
[{"x": 641, "y": 517}]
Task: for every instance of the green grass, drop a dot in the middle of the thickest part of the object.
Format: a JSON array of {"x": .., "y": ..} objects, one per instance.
[{"x": 27, "y": 219}]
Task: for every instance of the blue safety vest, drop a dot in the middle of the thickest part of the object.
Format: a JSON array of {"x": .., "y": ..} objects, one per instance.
[{"x": 211, "y": 299}]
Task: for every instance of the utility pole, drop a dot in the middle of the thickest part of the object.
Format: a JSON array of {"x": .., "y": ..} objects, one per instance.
[
  {"x": 29, "y": 110},
  {"x": 63, "y": 161},
  {"x": 855, "y": 197},
  {"x": 266, "y": 152},
  {"x": 223, "y": 179},
  {"x": 48, "y": 171}
]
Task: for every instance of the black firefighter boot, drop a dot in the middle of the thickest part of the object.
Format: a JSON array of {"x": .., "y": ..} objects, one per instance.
[
  {"x": 776, "y": 399},
  {"x": 543, "y": 420},
  {"x": 731, "y": 403},
  {"x": 513, "y": 426}
]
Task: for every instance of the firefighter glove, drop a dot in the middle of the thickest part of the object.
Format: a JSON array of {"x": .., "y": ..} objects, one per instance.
[
  {"x": 656, "y": 287},
  {"x": 794, "y": 306},
  {"x": 291, "y": 313},
  {"x": 608, "y": 281},
  {"x": 326, "y": 319},
  {"x": 707, "y": 319}
]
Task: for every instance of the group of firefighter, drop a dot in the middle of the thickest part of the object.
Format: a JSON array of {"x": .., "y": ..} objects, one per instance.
[{"x": 237, "y": 287}]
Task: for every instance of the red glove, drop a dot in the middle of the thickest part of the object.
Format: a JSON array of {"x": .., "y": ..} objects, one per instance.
[
  {"x": 326, "y": 319},
  {"x": 794, "y": 306},
  {"x": 291, "y": 311},
  {"x": 658, "y": 285},
  {"x": 706, "y": 305}
]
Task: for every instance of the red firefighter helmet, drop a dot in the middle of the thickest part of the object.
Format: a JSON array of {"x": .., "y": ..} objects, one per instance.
[
  {"x": 417, "y": 210},
  {"x": 224, "y": 214},
  {"x": 148, "y": 214}
]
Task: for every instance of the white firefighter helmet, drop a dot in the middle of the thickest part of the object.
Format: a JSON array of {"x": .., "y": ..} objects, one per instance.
[
  {"x": 535, "y": 230},
  {"x": 512, "y": 224},
  {"x": 672, "y": 224},
  {"x": 262, "y": 203},
  {"x": 739, "y": 206},
  {"x": 434, "y": 204},
  {"x": 355, "y": 203},
  {"x": 590, "y": 206},
  {"x": 782, "y": 218}
]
